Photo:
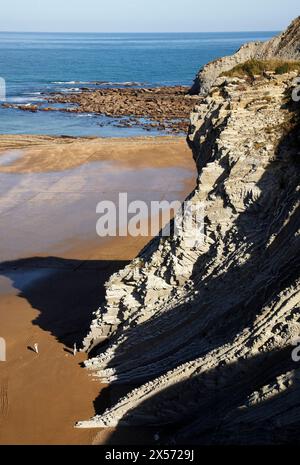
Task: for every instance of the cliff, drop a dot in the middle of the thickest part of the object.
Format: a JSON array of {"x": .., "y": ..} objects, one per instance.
[
  {"x": 205, "y": 334},
  {"x": 286, "y": 46}
]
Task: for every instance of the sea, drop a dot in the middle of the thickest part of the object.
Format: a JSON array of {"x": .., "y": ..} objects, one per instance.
[{"x": 32, "y": 64}]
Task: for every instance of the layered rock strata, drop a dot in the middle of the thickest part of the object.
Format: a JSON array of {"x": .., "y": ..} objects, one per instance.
[
  {"x": 286, "y": 46},
  {"x": 205, "y": 334}
]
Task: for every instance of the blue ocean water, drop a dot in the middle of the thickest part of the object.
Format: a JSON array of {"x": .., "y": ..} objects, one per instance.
[{"x": 33, "y": 63}]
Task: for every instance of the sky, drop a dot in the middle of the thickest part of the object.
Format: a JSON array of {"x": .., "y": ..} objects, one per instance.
[{"x": 146, "y": 15}]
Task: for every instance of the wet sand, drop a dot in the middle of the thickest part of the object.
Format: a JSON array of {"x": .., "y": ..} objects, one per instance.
[{"x": 53, "y": 268}]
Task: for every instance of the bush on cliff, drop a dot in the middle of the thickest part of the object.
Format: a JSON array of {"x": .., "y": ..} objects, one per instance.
[{"x": 253, "y": 68}]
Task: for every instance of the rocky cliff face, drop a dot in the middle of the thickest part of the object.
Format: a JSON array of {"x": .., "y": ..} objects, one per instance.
[
  {"x": 285, "y": 46},
  {"x": 205, "y": 334}
]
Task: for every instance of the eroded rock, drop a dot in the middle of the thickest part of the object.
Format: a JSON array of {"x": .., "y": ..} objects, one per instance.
[
  {"x": 286, "y": 46},
  {"x": 206, "y": 333}
]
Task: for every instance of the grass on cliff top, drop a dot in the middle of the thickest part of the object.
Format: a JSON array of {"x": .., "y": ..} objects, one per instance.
[{"x": 253, "y": 68}]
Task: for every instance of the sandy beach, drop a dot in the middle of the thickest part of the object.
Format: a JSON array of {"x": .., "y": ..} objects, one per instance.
[
  {"x": 54, "y": 266},
  {"x": 149, "y": 226}
]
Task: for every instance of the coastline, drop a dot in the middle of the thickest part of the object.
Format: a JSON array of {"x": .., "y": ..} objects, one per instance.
[
  {"x": 183, "y": 341},
  {"x": 164, "y": 109},
  {"x": 50, "y": 282}
]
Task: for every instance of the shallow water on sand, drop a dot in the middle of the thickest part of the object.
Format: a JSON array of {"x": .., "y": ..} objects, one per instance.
[
  {"x": 43, "y": 211},
  {"x": 53, "y": 269},
  {"x": 10, "y": 156}
]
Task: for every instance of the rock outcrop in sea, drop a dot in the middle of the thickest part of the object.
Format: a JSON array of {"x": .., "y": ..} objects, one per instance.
[
  {"x": 286, "y": 46},
  {"x": 205, "y": 335}
]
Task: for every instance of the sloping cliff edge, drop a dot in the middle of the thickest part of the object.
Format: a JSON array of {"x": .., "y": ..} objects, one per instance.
[
  {"x": 283, "y": 47},
  {"x": 204, "y": 336}
]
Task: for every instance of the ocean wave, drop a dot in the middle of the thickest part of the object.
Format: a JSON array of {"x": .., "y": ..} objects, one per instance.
[
  {"x": 69, "y": 82},
  {"x": 24, "y": 100},
  {"x": 70, "y": 89},
  {"x": 101, "y": 83},
  {"x": 125, "y": 83}
]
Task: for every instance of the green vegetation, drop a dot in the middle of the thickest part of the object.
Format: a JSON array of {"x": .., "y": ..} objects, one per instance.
[{"x": 253, "y": 68}]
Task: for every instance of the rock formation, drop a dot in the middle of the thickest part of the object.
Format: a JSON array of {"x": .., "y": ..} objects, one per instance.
[
  {"x": 161, "y": 108},
  {"x": 285, "y": 46},
  {"x": 205, "y": 335}
]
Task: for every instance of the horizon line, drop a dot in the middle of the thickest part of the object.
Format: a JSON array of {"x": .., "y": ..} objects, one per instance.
[{"x": 139, "y": 32}]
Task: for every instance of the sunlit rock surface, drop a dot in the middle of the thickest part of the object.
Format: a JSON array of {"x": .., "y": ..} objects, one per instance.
[
  {"x": 205, "y": 335},
  {"x": 286, "y": 46}
]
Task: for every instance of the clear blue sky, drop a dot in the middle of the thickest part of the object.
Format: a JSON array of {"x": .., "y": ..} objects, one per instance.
[{"x": 146, "y": 15}]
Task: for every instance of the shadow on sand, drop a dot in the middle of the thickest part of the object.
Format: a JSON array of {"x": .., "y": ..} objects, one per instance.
[
  {"x": 205, "y": 407},
  {"x": 64, "y": 291}
]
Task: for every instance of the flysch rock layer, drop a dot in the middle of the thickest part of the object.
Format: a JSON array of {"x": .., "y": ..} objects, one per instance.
[
  {"x": 205, "y": 334},
  {"x": 285, "y": 46}
]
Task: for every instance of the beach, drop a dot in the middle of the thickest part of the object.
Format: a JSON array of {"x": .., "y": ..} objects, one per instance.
[
  {"x": 54, "y": 266},
  {"x": 149, "y": 226}
]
